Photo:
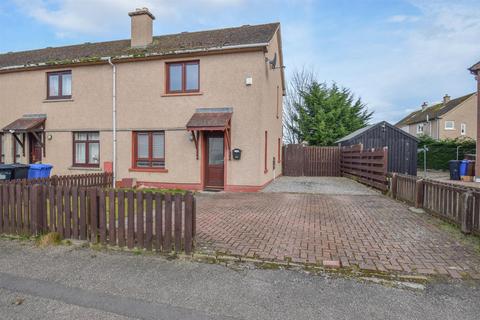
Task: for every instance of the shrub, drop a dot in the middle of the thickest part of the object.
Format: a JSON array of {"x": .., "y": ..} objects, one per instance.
[{"x": 441, "y": 151}]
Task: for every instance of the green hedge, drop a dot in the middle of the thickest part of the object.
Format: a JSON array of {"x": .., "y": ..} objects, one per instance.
[{"x": 442, "y": 151}]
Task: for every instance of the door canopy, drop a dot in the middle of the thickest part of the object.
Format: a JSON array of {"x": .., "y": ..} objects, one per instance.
[{"x": 211, "y": 119}]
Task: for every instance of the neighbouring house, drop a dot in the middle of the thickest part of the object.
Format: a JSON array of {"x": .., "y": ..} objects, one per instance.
[
  {"x": 475, "y": 70},
  {"x": 402, "y": 146},
  {"x": 452, "y": 118},
  {"x": 194, "y": 110}
]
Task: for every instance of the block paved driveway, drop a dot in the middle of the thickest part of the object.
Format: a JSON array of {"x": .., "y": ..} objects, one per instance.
[{"x": 366, "y": 229}]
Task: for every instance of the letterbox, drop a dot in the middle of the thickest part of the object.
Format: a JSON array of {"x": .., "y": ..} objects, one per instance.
[{"x": 236, "y": 154}]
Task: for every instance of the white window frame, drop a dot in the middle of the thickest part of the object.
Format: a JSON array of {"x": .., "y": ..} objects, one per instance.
[
  {"x": 463, "y": 129},
  {"x": 450, "y": 128},
  {"x": 420, "y": 127}
]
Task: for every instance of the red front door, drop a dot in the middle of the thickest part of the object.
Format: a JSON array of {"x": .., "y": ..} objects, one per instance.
[{"x": 214, "y": 160}]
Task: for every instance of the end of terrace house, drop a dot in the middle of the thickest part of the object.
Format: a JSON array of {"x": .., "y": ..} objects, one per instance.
[{"x": 194, "y": 110}]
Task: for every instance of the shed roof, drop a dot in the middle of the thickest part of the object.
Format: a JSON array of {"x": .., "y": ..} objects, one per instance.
[
  {"x": 372, "y": 126},
  {"x": 256, "y": 35},
  {"x": 433, "y": 112}
]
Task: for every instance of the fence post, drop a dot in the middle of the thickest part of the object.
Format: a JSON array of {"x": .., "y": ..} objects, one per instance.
[
  {"x": 394, "y": 185},
  {"x": 54, "y": 180},
  {"x": 419, "y": 193},
  {"x": 466, "y": 212},
  {"x": 36, "y": 210}
]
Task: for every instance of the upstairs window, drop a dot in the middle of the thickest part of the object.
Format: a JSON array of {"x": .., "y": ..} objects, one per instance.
[
  {"x": 149, "y": 149},
  {"x": 449, "y": 125},
  {"x": 59, "y": 85},
  {"x": 463, "y": 129},
  {"x": 86, "y": 149},
  {"x": 183, "y": 77},
  {"x": 420, "y": 128}
]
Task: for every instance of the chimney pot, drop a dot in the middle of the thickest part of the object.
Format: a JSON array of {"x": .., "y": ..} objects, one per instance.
[
  {"x": 424, "y": 105},
  {"x": 446, "y": 99},
  {"x": 142, "y": 27}
]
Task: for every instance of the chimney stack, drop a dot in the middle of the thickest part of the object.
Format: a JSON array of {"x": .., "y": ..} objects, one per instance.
[
  {"x": 446, "y": 99},
  {"x": 142, "y": 27},
  {"x": 424, "y": 106}
]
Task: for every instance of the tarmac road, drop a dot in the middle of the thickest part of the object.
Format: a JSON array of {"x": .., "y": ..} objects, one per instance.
[{"x": 69, "y": 282}]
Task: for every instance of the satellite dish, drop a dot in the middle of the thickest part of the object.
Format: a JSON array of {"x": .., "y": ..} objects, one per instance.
[{"x": 273, "y": 62}]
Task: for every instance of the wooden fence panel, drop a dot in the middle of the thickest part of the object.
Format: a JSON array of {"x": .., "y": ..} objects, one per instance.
[
  {"x": 148, "y": 220},
  {"x": 112, "y": 212},
  {"x": 102, "y": 216},
  {"x": 368, "y": 167},
  {"x": 310, "y": 161},
  {"x": 168, "y": 224},
  {"x": 121, "y": 218},
  {"x": 178, "y": 222},
  {"x": 159, "y": 222},
  {"x": 454, "y": 203},
  {"x": 130, "y": 220},
  {"x": 140, "y": 220},
  {"x": 145, "y": 220}
]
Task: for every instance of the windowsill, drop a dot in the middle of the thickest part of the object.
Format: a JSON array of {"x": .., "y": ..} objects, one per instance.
[
  {"x": 85, "y": 168},
  {"x": 450, "y": 129},
  {"x": 153, "y": 170},
  {"x": 57, "y": 100},
  {"x": 182, "y": 94}
]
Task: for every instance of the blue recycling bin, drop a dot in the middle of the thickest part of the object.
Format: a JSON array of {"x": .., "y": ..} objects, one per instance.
[
  {"x": 463, "y": 167},
  {"x": 38, "y": 171}
]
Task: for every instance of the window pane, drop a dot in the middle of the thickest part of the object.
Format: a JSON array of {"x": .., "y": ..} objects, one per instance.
[
  {"x": 142, "y": 145},
  {"x": 175, "y": 77},
  {"x": 93, "y": 136},
  {"x": 93, "y": 153},
  {"x": 158, "y": 147},
  {"x": 142, "y": 164},
  {"x": 158, "y": 164},
  {"x": 80, "y": 152},
  {"x": 192, "y": 76},
  {"x": 53, "y": 85},
  {"x": 67, "y": 84},
  {"x": 81, "y": 136}
]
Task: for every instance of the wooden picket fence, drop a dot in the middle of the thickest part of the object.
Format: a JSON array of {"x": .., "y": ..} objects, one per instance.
[
  {"x": 299, "y": 160},
  {"x": 366, "y": 166},
  {"x": 145, "y": 220},
  {"x": 102, "y": 180},
  {"x": 457, "y": 204}
]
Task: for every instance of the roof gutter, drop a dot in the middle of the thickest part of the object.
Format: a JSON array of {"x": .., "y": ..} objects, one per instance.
[{"x": 133, "y": 57}]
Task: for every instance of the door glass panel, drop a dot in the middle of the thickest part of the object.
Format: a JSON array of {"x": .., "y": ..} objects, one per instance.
[
  {"x": 192, "y": 76},
  {"x": 142, "y": 151},
  {"x": 175, "y": 77},
  {"x": 215, "y": 150}
]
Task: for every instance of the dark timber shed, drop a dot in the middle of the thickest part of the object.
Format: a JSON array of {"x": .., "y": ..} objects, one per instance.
[{"x": 402, "y": 146}]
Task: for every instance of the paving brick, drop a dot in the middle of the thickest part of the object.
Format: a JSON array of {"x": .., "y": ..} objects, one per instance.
[{"x": 372, "y": 231}]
